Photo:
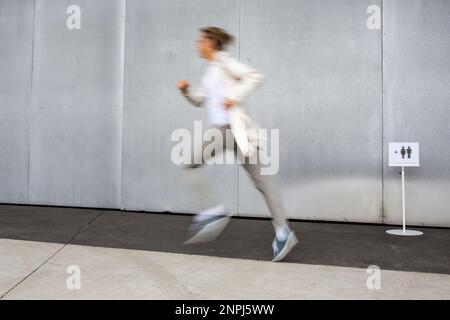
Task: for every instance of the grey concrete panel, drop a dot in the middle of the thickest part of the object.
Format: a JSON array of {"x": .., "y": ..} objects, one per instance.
[
  {"x": 77, "y": 98},
  {"x": 16, "y": 34},
  {"x": 416, "y": 104},
  {"x": 323, "y": 91},
  {"x": 161, "y": 50}
]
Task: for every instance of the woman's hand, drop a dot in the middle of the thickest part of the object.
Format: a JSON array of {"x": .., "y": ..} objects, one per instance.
[
  {"x": 183, "y": 86},
  {"x": 229, "y": 103}
]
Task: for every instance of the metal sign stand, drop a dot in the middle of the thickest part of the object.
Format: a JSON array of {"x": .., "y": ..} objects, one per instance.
[{"x": 404, "y": 232}]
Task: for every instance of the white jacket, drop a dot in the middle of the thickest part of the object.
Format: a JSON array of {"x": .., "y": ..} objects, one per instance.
[{"x": 238, "y": 80}]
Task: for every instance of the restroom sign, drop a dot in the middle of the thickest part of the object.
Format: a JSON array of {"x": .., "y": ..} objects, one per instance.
[{"x": 403, "y": 154}]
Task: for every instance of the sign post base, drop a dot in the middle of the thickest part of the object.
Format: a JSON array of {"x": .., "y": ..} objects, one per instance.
[{"x": 401, "y": 232}]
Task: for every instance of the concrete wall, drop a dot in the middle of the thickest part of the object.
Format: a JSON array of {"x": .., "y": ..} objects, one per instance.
[
  {"x": 160, "y": 51},
  {"x": 417, "y": 106},
  {"x": 76, "y": 111},
  {"x": 86, "y": 115},
  {"x": 16, "y": 50},
  {"x": 323, "y": 91}
]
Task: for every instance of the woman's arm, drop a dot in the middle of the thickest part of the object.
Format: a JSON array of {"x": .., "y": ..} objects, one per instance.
[
  {"x": 197, "y": 97},
  {"x": 248, "y": 78}
]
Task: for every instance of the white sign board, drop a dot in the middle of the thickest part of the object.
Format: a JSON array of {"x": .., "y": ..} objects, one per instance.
[{"x": 403, "y": 154}]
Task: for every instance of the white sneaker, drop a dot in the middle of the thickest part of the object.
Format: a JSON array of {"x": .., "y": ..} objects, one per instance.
[
  {"x": 208, "y": 225},
  {"x": 282, "y": 248}
]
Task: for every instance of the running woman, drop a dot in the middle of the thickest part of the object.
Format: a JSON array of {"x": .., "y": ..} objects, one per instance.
[{"x": 223, "y": 89}]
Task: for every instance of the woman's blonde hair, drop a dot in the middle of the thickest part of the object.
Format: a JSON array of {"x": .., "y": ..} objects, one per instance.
[{"x": 219, "y": 36}]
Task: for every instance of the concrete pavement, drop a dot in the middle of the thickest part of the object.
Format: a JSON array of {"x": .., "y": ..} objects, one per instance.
[{"x": 37, "y": 270}]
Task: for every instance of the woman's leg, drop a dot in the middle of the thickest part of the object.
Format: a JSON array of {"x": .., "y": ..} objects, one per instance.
[
  {"x": 197, "y": 181},
  {"x": 211, "y": 221},
  {"x": 271, "y": 195},
  {"x": 285, "y": 238}
]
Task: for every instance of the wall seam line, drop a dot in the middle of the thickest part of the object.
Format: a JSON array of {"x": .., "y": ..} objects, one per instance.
[
  {"x": 239, "y": 56},
  {"x": 382, "y": 113},
  {"x": 30, "y": 109},
  {"x": 121, "y": 206}
]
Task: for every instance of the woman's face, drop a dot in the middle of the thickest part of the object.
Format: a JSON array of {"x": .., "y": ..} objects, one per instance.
[{"x": 205, "y": 46}]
